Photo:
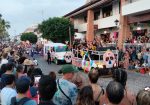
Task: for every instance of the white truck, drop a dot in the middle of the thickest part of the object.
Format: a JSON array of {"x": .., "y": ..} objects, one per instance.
[{"x": 57, "y": 52}]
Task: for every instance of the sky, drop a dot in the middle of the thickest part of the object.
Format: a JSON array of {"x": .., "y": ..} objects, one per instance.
[{"x": 24, "y": 13}]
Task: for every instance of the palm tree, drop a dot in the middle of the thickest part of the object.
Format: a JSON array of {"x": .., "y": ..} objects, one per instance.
[{"x": 4, "y": 25}]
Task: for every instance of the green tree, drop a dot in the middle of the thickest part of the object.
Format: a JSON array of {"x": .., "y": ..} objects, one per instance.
[
  {"x": 31, "y": 37},
  {"x": 4, "y": 25},
  {"x": 56, "y": 29}
]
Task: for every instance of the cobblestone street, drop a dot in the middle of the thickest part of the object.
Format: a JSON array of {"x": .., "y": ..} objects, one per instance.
[{"x": 135, "y": 81}]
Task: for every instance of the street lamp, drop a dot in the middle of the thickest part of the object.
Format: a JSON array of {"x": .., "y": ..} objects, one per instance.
[
  {"x": 105, "y": 32},
  {"x": 138, "y": 26},
  {"x": 116, "y": 22}
]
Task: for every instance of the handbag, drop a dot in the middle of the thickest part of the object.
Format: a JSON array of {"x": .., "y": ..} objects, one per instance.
[{"x": 63, "y": 92}]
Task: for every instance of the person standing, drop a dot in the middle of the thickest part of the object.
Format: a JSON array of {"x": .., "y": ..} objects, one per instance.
[
  {"x": 8, "y": 91},
  {"x": 32, "y": 53},
  {"x": 85, "y": 96},
  {"x": 47, "y": 89},
  {"x": 4, "y": 59},
  {"x": 22, "y": 87},
  {"x": 49, "y": 57},
  {"x": 97, "y": 89},
  {"x": 67, "y": 91},
  {"x": 126, "y": 60}
]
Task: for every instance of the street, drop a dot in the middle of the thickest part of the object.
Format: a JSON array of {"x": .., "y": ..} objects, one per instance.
[{"x": 135, "y": 81}]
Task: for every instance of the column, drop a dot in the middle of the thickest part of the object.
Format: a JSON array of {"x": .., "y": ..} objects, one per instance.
[
  {"x": 124, "y": 29},
  {"x": 90, "y": 26}
]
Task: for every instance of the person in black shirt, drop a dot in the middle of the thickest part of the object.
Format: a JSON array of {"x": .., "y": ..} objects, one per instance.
[{"x": 49, "y": 57}]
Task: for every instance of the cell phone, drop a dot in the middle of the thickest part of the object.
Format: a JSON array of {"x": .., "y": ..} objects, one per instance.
[{"x": 36, "y": 79}]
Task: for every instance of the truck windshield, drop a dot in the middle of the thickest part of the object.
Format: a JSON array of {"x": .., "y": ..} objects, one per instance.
[{"x": 60, "y": 49}]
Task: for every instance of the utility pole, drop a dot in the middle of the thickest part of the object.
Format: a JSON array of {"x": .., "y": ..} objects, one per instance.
[
  {"x": 42, "y": 15},
  {"x": 70, "y": 35}
]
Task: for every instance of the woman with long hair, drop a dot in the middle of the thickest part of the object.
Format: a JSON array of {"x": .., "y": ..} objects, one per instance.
[
  {"x": 85, "y": 96},
  {"x": 97, "y": 89}
]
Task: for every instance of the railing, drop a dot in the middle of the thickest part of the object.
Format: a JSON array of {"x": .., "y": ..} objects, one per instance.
[{"x": 138, "y": 46}]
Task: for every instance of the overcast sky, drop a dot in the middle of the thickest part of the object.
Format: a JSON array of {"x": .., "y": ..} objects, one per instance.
[{"x": 24, "y": 13}]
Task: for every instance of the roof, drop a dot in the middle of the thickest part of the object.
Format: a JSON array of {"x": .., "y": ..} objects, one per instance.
[{"x": 100, "y": 2}]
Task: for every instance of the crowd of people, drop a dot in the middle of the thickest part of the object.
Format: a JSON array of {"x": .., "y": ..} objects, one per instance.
[
  {"x": 138, "y": 39},
  {"x": 23, "y": 83},
  {"x": 131, "y": 57},
  {"x": 134, "y": 58}
]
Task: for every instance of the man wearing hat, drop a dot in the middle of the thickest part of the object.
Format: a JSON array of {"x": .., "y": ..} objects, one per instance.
[{"x": 67, "y": 91}]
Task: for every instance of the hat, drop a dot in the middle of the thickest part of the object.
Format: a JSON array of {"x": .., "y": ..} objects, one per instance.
[
  {"x": 16, "y": 57},
  {"x": 28, "y": 62},
  {"x": 68, "y": 69},
  {"x": 7, "y": 50}
]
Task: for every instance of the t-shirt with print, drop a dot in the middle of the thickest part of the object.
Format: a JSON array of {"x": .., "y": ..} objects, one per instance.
[
  {"x": 69, "y": 89},
  {"x": 6, "y": 95}
]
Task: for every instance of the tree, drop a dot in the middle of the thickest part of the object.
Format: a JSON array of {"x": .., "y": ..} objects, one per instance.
[
  {"x": 56, "y": 29},
  {"x": 4, "y": 25},
  {"x": 31, "y": 37}
]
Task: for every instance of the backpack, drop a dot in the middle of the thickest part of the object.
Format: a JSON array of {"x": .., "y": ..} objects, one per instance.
[{"x": 21, "y": 102}]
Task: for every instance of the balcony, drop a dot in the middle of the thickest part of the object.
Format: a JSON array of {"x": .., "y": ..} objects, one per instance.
[
  {"x": 81, "y": 27},
  {"x": 136, "y": 7},
  {"x": 107, "y": 22}
]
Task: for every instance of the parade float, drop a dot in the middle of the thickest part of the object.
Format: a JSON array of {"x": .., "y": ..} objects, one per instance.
[{"x": 104, "y": 61}]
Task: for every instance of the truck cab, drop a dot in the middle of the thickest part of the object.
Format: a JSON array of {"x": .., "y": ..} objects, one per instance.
[{"x": 57, "y": 51}]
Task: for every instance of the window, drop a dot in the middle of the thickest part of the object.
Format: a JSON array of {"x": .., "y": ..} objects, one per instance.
[
  {"x": 85, "y": 18},
  {"x": 96, "y": 15},
  {"x": 60, "y": 49},
  {"x": 107, "y": 11}
]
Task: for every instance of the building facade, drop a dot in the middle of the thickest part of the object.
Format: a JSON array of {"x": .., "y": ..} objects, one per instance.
[{"x": 112, "y": 20}]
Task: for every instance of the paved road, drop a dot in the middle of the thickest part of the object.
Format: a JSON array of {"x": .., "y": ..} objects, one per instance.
[
  {"x": 46, "y": 68},
  {"x": 135, "y": 81}
]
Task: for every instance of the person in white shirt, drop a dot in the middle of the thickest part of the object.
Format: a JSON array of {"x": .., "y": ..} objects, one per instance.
[
  {"x": 8, "y": 91},
  {"x": 35, "y": 61},
  {"x": 4, "y": 59}
]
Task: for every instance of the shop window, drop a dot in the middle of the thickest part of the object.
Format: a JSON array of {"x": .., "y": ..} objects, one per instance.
[
  {"x": 96, "y": 15},
  {"x": 107, "y": 11}
]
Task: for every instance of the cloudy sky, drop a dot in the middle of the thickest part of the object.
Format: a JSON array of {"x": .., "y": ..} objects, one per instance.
[{"x": 24, "y": 13}]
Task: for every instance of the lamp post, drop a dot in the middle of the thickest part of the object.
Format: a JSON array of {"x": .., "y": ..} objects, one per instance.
[
  {"x": 116, "y": 22},
  {"x": 138, "y": 26},
  {"x": 70, "y": 36}
]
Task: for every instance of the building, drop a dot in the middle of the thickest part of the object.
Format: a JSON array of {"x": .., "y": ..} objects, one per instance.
[
  {"x": 111, "y": 19},
  {"x": 34, "y": 29}
]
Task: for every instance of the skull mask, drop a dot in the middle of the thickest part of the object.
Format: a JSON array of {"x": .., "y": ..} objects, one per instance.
[
  {"x": 109, "y": 59},
  {"x": 68, "y": 57}
]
